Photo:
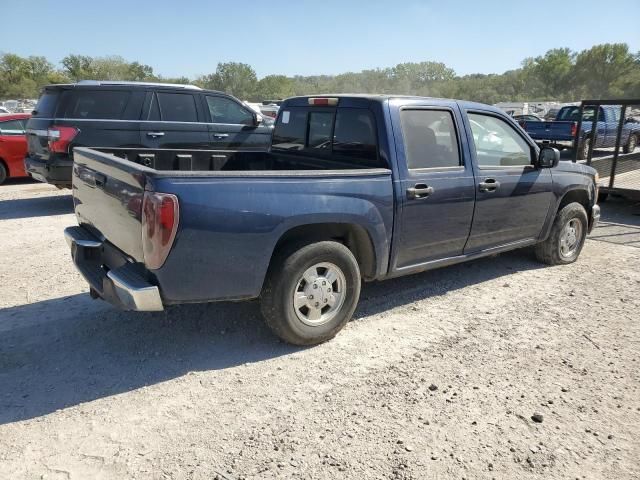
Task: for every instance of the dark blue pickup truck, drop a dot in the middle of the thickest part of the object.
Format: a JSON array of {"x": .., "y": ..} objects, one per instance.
[
  {"x": 353, "y": 188},
  {"x": 561, "y": 132}
]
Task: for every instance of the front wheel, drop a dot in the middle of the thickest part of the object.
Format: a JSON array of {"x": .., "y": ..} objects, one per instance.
[
  {"x": 311, "y": 292},
  {"x": 631, "y": 145},
  {"x": 566, "y": 238}
]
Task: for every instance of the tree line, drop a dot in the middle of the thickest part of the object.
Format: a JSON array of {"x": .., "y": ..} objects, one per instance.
[{"x": 603, "y": 71}]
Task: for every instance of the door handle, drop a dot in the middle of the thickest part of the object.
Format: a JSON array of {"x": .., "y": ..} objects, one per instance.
[
  {"x": 420, "y": 190},
  {"x": 489, "y": 185},
  {"x": 155, "y": 134},
  {"x": 221, "y": 135}
]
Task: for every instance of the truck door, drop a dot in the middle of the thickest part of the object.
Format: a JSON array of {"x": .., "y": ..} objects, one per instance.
[
  {"x": 176, "y": 132},
  {"x": 232, "y": 126},
  {"x": 513, "y": 196},
  {"x": 436, "y": 183}
]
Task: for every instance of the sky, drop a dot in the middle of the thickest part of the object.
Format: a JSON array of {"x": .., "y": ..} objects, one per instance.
[{"x": 189, "y": 37}]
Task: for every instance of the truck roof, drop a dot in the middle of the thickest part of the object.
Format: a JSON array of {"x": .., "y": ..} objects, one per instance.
[{"x": 383, "y": 97}]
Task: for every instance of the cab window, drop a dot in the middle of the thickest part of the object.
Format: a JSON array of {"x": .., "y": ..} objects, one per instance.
[
  {"x": 497, "y": 143},
  {"x": 225, "y": 110}
]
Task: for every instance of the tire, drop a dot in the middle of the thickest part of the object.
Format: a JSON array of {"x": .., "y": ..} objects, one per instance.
[
  {"x": 631, "y": 144},
  {"x": 3, "y": 173},
  {"x": 562, "y": 246},
  {"x": 583, "y": 149},
  {"x": 299, "y": 324}
]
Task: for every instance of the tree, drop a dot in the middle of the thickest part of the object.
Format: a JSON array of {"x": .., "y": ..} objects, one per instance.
[
  {"x": 238, "y": 79},
  {"x": 601, "y": 67},
  {"x": 78, "y": 67},
  {"x": 274, "y": 87},
  {"x": 551, "y": 74}
]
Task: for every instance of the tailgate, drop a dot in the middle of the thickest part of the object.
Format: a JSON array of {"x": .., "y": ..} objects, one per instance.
[
  {"x": 550, "y": 130},
  {"x": 107, "y": 194}
]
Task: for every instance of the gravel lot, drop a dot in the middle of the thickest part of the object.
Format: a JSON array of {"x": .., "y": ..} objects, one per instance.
[{"x": 437, "y": 377}]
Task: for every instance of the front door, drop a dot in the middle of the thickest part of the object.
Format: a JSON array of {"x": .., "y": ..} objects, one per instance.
[
  {"x": 232, "y": 126},
  {"x": 177, "y": 133},
  {"x": 437, "y": 184},
  {"x": 513, "y": 196}
]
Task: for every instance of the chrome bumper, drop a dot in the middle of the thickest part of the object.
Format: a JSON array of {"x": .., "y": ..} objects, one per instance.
[
  {"x": 595, "y": 217},
  {"x": 123, "y": 286}
]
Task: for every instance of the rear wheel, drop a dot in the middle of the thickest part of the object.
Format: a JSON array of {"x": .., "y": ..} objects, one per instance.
[
  {"x": 567, "y": 236},
  {"x": 3, "y": 173},
  {"x": 311, "y": 292},
  {"x": 583, "y": 149},
  {"x": 631, "y": 144}
]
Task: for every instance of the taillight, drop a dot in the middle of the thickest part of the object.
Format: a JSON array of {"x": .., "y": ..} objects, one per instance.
[
  {"x": 60, "y": 137},
  {"x": 323, "y": 101},
  {"x": 574, "y": 127},
  {"x": 160, "y": 214}
]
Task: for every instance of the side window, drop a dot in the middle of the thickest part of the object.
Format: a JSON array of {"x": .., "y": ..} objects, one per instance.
[
  {"x": 290, "y": 129},
  {"x": 497, "y": 143},
  {"x": 225, "y": 110},
  {"x": 320, "y": 125},
  {"x": 96, "y": 104},
  {"x": 430, "y": 139},
  {"x": 354, "y": 137},
  {"x": 177, "y": 107},
  {"x": 12, "y": 127}
]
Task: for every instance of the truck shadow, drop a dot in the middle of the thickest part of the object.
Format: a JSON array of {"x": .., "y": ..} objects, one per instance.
[
  {"x": 66, "y": 351},
  {"x": 36, "y": 207}
]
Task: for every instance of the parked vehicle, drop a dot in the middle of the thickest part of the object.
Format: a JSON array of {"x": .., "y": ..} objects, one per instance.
[
  {"x": 270, "y": 110},
  {"x": 4, "y": 110},
  {"x": 354, "y": 188},
  {"x": 561, "y": 132},
  {"x": 180, "y": 123},
  {"x": 13, "y": 145},
  {"x": 522, "y": 119}
]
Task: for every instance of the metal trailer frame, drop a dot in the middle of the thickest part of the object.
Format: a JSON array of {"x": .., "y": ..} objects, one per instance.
[{"x": 610, "y": 188}]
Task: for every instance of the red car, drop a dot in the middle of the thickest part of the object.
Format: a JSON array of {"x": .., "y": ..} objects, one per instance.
[{"x": 13, "y": 145}]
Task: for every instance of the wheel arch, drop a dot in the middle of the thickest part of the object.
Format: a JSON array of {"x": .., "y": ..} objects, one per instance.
[
  {"x": 354, "y": 236},
  {"x": 577, "y": 193}
]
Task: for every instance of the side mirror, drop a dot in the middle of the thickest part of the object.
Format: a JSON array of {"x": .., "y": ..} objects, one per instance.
[
  {"x": 548, "y": 158},
  {"x": 257, "y": 119}
]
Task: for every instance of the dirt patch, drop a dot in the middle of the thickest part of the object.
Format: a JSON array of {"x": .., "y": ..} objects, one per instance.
[{"x": 438, "y": 376}]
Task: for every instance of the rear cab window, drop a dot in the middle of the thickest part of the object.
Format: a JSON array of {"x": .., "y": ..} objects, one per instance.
[{"x": 346, "y": 136}]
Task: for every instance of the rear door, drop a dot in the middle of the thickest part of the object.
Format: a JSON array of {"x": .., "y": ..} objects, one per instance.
[
  {"x": 176, "y": 132},
  {"x": 513, "y": 196},
  {"x": 437, "y": 183},
  {"x": 232, "y": 125}
]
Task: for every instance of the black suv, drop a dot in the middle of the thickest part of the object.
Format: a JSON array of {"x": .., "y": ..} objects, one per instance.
[{"x": 159, "y": 125}]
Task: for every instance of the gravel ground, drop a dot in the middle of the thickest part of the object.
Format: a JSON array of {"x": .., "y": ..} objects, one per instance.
[{"x": 438, "y": 376}]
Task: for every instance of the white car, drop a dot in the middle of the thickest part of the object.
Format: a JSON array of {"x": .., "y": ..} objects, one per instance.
[{"x": 4, "y": 110}]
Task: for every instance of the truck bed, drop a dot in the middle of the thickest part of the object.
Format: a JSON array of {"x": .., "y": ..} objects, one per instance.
[{"x": 228, "y": 218}]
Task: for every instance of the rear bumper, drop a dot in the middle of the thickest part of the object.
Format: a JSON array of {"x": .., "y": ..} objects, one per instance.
[
  {"x": 595, "y": 217},
  {"x": 56, "y": 171},
  {"x": 123, "y": 286},
  {"x": 554, "y": 143}
]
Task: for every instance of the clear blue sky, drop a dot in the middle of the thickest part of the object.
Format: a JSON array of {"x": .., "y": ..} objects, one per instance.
[{"x": 189, "y": 37}]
